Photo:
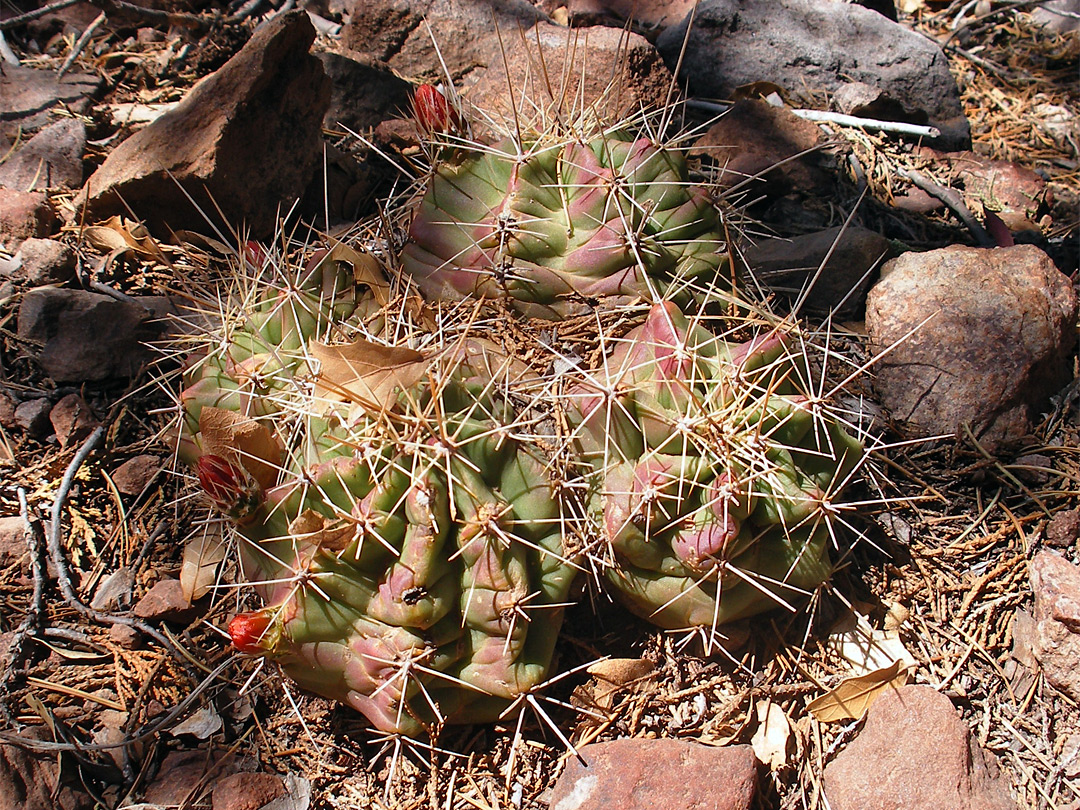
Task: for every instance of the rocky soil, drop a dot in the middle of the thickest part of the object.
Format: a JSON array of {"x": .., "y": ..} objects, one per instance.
[{"x": 904, "y": 178}]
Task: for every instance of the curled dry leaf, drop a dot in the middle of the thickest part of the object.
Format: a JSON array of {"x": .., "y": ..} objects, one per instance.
[
  {"x": 772, "y": 740},
  {"x": 243, "y": 441},
  {"x": 203, "y": 554},
  {"x": 367, "y": 270},
  {"x": 366, "y": 373},
  {"x": 312, "y": 528},
  {"x": 610, "y": 675},
  {"x": 118, "y": 235},
  {"x": 866, "y": 649},
  {"x": 853, "y": 696}
]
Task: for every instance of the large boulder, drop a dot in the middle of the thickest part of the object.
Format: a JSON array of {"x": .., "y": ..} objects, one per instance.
[
  {"x": 973, "y": 336},
  {"x": 815, "y": 45},
  {"x": 246, "y": 140}
]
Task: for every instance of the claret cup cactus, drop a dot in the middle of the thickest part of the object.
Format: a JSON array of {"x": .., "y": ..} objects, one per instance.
[
  {"x": 406, "y": 540},
  {"x": 715, "y": 480}
]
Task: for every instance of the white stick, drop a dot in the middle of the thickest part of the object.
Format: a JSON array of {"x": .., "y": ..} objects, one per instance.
[{"x": 868, "y": 123}]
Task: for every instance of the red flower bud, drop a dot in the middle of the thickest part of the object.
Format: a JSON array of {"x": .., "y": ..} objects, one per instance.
[
  {"x": 250, "y": 632},
  {"x": 433, "y": 112},
  {"x": 255, "y": 254},
  {"x": 231, "y": 488}
]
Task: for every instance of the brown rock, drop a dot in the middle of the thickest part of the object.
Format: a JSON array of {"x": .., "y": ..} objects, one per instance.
[
  {"x": 33, "y": 417},
  {"x": 72, "y": 420},
  {"x": 785, "y": 265},
  {"x": 165, "y": 601},
  {"x": 88, "y": 337},
  {"x": 7, "y": 410},
  {"x": 133, "y": 475},
  {"x": 53, "y": 158},
  {"x": 751, "y": 140},
  {"x": 600, "y": 70},
  {"x": 1056, "y": 584},
  {"x": 44, "y": 261},
  {"x": 180, "y": 778},
  {"x": 247, "y": 138},
  {"x": 915, "y": 752},
  {"x": 27, "y": 96},
  {"x": 363, "y": 92},
  {"x": 394, "y": 31},
  {"x": 246, "y": 791},
  {"x": 125, "y": 636},
  {"x": 12, "y": 540},
  {"x": 652, "y": 15},
  {"x": 1063, "y": 529},
  {"x": 29, "y": 781},
  {"x": 977, "y": 336},
  {"x": 638, "y": 774},
  {"x": 23, "y": 214}
]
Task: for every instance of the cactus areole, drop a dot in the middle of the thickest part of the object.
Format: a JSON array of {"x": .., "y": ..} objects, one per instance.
[{"x": 553, "y": 227}]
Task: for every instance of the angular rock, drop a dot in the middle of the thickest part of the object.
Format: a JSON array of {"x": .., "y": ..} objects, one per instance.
[
  {"x": 181, "y": 778},
  {"x": 639, "y": 774},
  {"x": 1063, "y": 530},
  {"x": 1059, "y": 16},
  {"x": 23, "y": 215},
  {"x": 44, "y": 261},
  {"x": 246, "y": 140},
  {"x": 125, "y": 636},
  {"x": 88, "y": 337},
  {"x": 114, "y": 592},
  {"x": 12, "y": 540},
  {"x": 993, "y": 334},
  {"x": 132, "y": 477},
  {"x": 814, "y": 46},
  {"x": 33, "y": 417},
  {"x": 785, "y": 265},
  {"x": 394, "y": 31},
  {"x": 915, "y": 752},
  {"x": 72, "y": 420},
  {"x": 1056, "y": 645},
  {"x": 27, "y": 96},
  {"x": 165, "y": 601},
  {"x": 53, "y": 158},
  {"x": 859, "y": 98},
  {"x": 363, "y": 93},
  {"x": 591, "y": 71},
  {"x": 753, "y": 140},
  {"x": 29, "y": 781},
  {"x": 246, "y": 791},
  {"x": 7, "y": 410}
]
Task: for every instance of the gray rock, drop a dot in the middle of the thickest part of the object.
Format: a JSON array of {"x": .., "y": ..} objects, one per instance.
[
  {"x": 815, "y": 45},
  {"x": 785, "y": 265},
  {"x": 1056, "y": 643},
  {"x": 44, "y": 261},
  {"x": 363, "y": 94},
  {"x": 23, "y": 215},
  {"x": 87, "y": 337},
  {"x": 605, "y": 70},
  {"x": 915, "y": 752},
  {"x": 33, "y": 417},
  {"x": 27, "y": 96},
  {"x": 394, "y": 31},
  {"x": 246, "y": 139},
  {"x": 640, "y": 774},
  {"x": 1059, "y": 16},
  {"x": 53, "y": 158},
  {"x": 977, "y": 336}
]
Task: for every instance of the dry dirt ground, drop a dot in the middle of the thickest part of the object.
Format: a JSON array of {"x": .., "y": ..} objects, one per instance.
[{"x": 950, "y": 532}]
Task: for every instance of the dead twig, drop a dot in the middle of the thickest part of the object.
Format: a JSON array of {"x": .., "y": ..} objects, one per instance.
[
  {"x": 30, "y": 16},
  {"x": 953, "y": 200}
]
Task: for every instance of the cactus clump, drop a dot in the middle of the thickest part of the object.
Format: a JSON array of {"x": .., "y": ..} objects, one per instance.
[
  {"x": 552, "y": 226},
  {"x": 404, "y": 534},
  {"x": 715, "y": 479}
]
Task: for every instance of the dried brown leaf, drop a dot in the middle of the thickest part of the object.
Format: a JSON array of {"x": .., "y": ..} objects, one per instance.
[
  {"x": 850, "y": 699},
  {"x": 367, "y": 270},
  {"x": 311, "y": 527},
  {"x": 198, "y": 569},
  {"x": 243, "y": 441},
  {"x": 117, "y": 234},
  {"x": 366, "y": 373},
  {"x": 772, "y": 740}
]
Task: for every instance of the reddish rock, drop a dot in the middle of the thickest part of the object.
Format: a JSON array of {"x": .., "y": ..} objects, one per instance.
[
  {"x": 638, "y": 774},
  {"x": 13, "y": 546},
  {"x": 53, "y": 158},
  {"x": 1056, "y": 644},
  {"x": 750, "y": 141},
  {"x": 33, "y": 417},
  {"x": 125, "y": 636},
  {"x": 30, "y": 781},
  {"x": 394, "y": 31},
  {"x": 165, "y": 601},
  {"x": 44, "y": 261},
  {"x": 1063, "y": 529},
  {"x": 7, "y": 410},
  {"x": 605, "y": 70},
  {"x": 652, "y": 15},
  {"x": 72, "y": 420},
  {"x": 976, "y": 336},
  {"x": 180, "y": 779},
  {"x": 23, "y": 215},
  {"x": 27, "y": 96},
  {"x": 785, "y": 265},
  {"x": 133, "y": 475},
  {"x": 246, "y": 791},
  {"x": 248, "y": 138},
  {"x": 915, "y": 752}
]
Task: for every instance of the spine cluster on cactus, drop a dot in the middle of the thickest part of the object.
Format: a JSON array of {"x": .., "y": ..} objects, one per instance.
[
  {"x": 551, "y": 226},
  {"x": 410, "y": 556},
  {"x": 715, "y": 477}
]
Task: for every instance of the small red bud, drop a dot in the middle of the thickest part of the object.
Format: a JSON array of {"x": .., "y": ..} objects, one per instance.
[
  {"x": 231, "y": 488},
  {"x": 255, "y": 254},
  {"x": 249, "y": 632},
  {"x": 434, "y": 114}
]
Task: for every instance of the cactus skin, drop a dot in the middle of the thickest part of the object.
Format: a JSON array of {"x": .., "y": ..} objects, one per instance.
[
  {"x": 714, "y": 479},
  {"x": 411, "y": 561},
  {"x": 551, "y": 226}
]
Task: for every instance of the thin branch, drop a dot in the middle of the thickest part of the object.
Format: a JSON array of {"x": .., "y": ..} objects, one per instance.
[{"x": 30, "y": 16}]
